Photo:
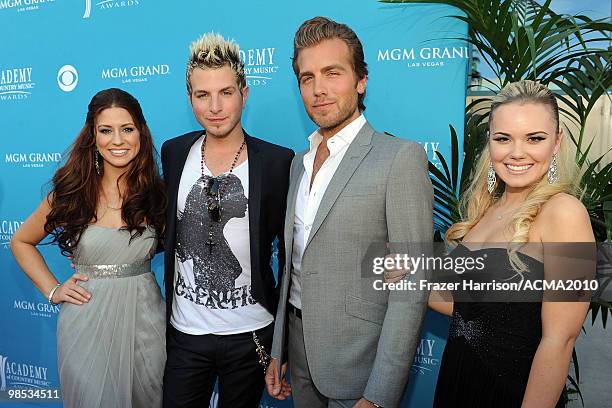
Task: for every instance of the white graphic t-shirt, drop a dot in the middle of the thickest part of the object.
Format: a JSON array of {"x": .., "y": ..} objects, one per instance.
[{"x": 212, "y": 284}]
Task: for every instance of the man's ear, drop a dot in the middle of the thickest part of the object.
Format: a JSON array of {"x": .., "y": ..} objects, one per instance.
[
  {"x": 361, "y": 84},
  {"x": 245, "y": 94}
]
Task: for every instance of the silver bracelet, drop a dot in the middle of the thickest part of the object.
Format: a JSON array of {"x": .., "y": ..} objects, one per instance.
[{"x": 53, "y": 293}]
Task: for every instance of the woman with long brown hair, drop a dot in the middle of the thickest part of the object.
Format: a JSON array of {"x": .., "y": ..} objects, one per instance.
[{"x": 106, "y": 211}]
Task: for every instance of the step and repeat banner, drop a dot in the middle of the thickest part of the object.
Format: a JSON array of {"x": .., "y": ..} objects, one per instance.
[{"x": 56, "y": 54}]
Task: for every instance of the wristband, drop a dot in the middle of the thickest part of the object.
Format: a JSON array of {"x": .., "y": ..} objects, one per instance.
[
  {"x": 53, "y": 293},
  {"x": 373, "y": 403}
]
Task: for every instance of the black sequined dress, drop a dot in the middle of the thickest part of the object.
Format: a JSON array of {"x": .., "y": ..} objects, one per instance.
[{"x": 491, "y": 345}]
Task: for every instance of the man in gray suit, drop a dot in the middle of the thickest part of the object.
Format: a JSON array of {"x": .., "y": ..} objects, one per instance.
[{"x": 354, "y": 190}]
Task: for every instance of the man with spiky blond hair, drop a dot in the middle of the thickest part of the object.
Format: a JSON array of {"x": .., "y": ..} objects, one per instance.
[{"x": 221, "y": 222}]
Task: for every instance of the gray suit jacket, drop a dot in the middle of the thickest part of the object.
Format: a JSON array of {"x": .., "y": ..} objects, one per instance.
[{"x": 359, "y": 341}]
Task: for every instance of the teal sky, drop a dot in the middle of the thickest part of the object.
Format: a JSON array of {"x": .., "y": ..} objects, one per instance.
[
  {"x": 594, "y": 9},
  {"x": 591, "y": 8}
]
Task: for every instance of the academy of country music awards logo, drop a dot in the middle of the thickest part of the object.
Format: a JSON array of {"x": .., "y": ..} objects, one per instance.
[
  {"x": 259, "y": 65},
  {"x": 16, "y": 83},
  {"x": 108, "y": 4},
  {"x": 20, "y": 375},
  {"x": 426, "y": 357},
  {"x": 7, "y": 229},
  {"x": 23, "y": 5},
  {"x": 432, "y": 150},
  {"x": 423, "y": 57},
  {"x": 135, "y": 73}
]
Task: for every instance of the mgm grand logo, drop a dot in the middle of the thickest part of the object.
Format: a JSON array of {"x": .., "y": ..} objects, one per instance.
[
  {"x": 425, "y": 57},
  {"x": 32, "y": 160},
  {"x": 23, "y": 5},
  {"x": 36, "y": 309},
  {"x": 136, "y": 73}
]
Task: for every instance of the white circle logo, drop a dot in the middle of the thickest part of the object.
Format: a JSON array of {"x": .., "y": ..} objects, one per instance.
[{"x": 67, "y": 78}]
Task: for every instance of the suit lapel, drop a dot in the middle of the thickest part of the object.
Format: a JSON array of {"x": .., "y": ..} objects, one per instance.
[
  {"x": 351, "y": 160},
  {"x": 174, "y": 183},
  {"x": 255, "y": 175},
  {"x": 297, "y": 170}
]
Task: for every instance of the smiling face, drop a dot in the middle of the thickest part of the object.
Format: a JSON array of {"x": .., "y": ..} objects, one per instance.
[
  {"x": 329, "y": 85},
  {"x": 523, "y": 139},
  {"x": 217, "y": 100},
  {"x": 117, "y": 137}
]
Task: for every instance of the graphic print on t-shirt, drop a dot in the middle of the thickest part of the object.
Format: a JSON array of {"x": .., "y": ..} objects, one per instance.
[{"x": 215, "y": 267}]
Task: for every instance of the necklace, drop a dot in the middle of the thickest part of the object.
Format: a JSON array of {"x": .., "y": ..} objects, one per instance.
[
  {"x": 499, "y": 217},
  {"x": 212, "y": 208},
  {"x": 203, "y": 159}
]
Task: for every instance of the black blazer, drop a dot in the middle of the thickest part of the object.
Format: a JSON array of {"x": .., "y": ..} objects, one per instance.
[{"x": 268, "y": 183}]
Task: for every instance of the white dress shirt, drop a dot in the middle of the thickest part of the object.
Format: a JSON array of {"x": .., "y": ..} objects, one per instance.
[{"x": 308, "y": 199}]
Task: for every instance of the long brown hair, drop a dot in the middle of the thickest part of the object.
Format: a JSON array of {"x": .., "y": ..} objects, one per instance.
[{"x": 76, "y": 185}]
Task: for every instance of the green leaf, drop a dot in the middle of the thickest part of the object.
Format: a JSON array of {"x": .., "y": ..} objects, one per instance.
[{"x": 575, "y": 363}]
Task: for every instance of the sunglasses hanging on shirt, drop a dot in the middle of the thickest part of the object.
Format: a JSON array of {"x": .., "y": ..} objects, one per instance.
[
  {"x": 215, "y": 188},
  {"x": 214, "y": 200}
]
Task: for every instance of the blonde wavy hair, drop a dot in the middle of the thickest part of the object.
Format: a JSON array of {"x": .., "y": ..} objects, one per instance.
[
  {"x": 477, "y": 199},
  {"x": 212, "y": 51}
]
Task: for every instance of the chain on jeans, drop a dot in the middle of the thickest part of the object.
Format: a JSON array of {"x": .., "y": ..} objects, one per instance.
[{"x": 264, "y": 357}]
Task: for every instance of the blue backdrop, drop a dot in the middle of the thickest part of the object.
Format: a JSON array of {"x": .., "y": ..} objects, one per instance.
[{"x": 56, "y": 54}]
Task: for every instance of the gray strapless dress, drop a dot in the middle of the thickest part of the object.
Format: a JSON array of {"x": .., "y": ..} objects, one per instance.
[{"x": 111, "y": 350}]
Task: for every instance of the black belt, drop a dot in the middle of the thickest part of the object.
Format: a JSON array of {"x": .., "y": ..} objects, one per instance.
[{"x": 292, "y": 309}]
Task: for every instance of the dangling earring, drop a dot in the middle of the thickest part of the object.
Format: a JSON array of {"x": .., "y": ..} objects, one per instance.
[
  {"x": 553, "y": 173},
  {"x": 491, "y": 179},
  {"x": 97, "y": 162}
]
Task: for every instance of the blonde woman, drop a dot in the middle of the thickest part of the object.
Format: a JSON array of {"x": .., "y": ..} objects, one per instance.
[{"x": 515, "y": 354}]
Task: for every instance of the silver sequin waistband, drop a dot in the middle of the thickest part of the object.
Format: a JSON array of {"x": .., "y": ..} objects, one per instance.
[{"x": 114, "y": 271}]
